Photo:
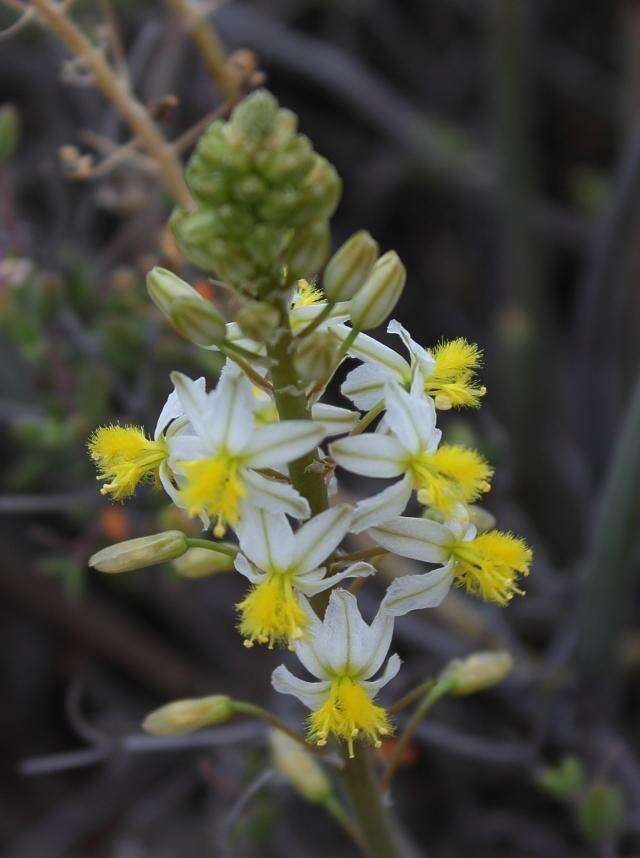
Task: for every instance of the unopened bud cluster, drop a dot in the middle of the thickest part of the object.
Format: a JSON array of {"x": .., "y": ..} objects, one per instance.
[{"x": 263, "y": 196}]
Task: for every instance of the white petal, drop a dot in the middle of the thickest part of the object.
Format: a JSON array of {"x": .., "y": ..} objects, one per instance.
[
  {"x": 373, "y": 686},
  {"x": 274, "y": 495},
  {"x": 186, "y": 448},
  {"x": 412, "y": 419},
  {"x": 278, "y": 443},
  {"x": 364, "y": 385},
  {"x": 311, "y": 586},
  {"x": 195, "y": 403},
  {"x": 417, "y": 538},
  {"x": 310, "y": 694},
  {"x": 380, "y": 634},
  {"x": 316, "y": 539},
  {"x": 342, "y": 641},
  {"x": 415, "y": 592},
  {"x": 372, "y": 351},
  {"x": 244, "y": 567},
  {"x": 232, "y": 410},
  {"x": 424, "y": 359},
  {"x": 172, "y": 409},
  {"x": 167, "y": 485},
  {"x": 305, "y": 647},
  {"x": 334, "y": 420},
  {"x": 370, "y": 455},
  {"x": 301, "y": 316},
  {"x": 387, "y": 504},
  {"x": 266, "y": 539}
]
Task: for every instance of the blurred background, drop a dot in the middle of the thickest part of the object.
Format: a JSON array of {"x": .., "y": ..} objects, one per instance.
[{"x": 495, "y": 144}]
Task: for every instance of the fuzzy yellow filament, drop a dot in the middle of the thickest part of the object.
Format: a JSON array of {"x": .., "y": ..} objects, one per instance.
[
  {"x": 124, "y": 457},
  {"x": 349, "y": 713}
]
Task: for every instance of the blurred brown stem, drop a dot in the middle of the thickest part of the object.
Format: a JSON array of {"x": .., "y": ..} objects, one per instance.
[{"x": 53, "y": 16}]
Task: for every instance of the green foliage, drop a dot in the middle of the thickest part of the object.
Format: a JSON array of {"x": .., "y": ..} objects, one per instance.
[
  {"x": 563, "y": 781},
  {"x": 601, "y": 812},
  {"x": 9, "y": 131}
]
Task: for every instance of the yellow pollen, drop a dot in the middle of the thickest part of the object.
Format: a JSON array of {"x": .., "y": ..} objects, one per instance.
[
  {"x": 307, "y": 295},
  {"x": 453, "y": 382},
  {"x": 124, "y": 456},
  {"x": 450, "y": 475},
  {"x": 488, "y": 566},
  {"x": 271, "y": 613},
  {"x": 215, "y": 487},
  {"x": 349, "y": 713}
]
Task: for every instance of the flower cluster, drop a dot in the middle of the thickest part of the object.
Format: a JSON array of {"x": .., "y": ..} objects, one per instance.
[{"x": 258, "y": 454}]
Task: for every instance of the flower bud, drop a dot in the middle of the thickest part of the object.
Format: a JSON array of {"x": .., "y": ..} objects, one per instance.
[
  {"x": 309, "y": 249},
  {"x": 197, "y": 320},
  {"x": 200, "y": 562},
  {"x": 9, "y": 131},
  {"x": 257, "y": 320},
  {"x": 477, "y": 672},
  {"x": 304, "y": 774},
  {"x": 138, "y": 553},
  {"x": 315, "y": 356},
  {"x": 481, "y": 518},
  {"x": 165, "y": 287},
  {"x": 380, "y": 293},
  {"x": 184, "y": 716},
  {"x": 350, "y": 266}
]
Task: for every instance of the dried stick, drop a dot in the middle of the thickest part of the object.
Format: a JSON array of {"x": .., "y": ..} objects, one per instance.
[
  {"x": 209, "y": 46},
  {"x": 117, "y": 91}
]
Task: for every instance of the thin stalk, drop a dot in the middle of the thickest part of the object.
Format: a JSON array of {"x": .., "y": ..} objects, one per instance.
[
  {"x": 242, "y": 708},
  {"x": 365, "y": 554},
  {"x": 337, "y": 811},
  {"x": 411, "y": 696},
  {"x": 315, "y": 323},
  {"x": 248, "y": 370},
  {"x": 436, "y": 692},
  {"x": 220, "y": 547},
  {"x": 368, "y": 418},
  {"x": 117, "y": 91}
]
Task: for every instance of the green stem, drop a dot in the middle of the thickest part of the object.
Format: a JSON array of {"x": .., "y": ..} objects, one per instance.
[
  {"x": 220, "y": 547},
  {"x": 242, "y": 708},
  {"x": 317, "y": 321},
  {"x": 437, "y": 691},
  {"x": 368, "y": 418},
  {"x": 337, "y": 811},
  {"x": 374, "y": 821},
  {"x": 411, "y": 696},
  {"x": 359, "y": 780}
]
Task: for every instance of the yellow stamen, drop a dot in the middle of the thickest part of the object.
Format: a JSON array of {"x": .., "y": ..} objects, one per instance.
[
  {"x": 307, "y": 295},
  {"x": 453, "y": 381},
  {"x": 349, "y": 713},
  {"x": 125, "y": 456},
  {"x": 271, "y": 613},
  {"x": 488, "y": 566},
  {"x": 450, "y": 475},
  {"x": 215, "y": 487}
]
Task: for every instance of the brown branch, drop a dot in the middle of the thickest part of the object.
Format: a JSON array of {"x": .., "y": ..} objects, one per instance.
[{"x": 117, "y": 91}]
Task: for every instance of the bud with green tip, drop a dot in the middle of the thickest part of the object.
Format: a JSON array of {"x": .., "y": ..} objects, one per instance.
[
  {"x": 304, "y": 774},
  {"x": 185, "y": 716},
  {"x": 201, "y": 562},
  {"x": 380, "y": 293},
  {"x": 315, "y": 356},
  {"x": 257, "y": 320},
  {"x": 9, "y": 131},
  {"x": 349, "y": 267},
  {"x": 309, "y": 249},
  {"x": 165, "y": 287},
  {"x": 197, "y": 320},
  {"x": 139, "y": 553},
  {"x": 477, "y": 672}
]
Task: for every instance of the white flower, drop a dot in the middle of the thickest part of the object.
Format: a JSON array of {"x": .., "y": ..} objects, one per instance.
[
  {"x": 281, "y": 564},
  {"x": 487, "y": 565},
  {"x": 216, "y": 464},
  {"x": 442, "y": 477},
  {"x": 343, "y": 653}
]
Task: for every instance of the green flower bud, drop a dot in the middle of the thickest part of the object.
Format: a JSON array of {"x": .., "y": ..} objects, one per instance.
[
  {"x": 564, "y": 780},
  {"x": 257, "y": 320},
  {"x": 350, "y": 266},
  {"x": 315, "y": 356},
  {"x": 197, "y": 320},
  {"x": 164, "y": 287},
  {"x": 477, "y": 672},
  {"x": 601, "y": 813},
  {"x": 138, "y": 553},
  {"x": 304, "y": 774},
  {"x": 9, "y": 131},
  {"x": 185, "y": 716},
  {"x": 380, "y": 293},
  {"x": 309, "y": 249},
  {"x": 200, "y": 563},
  {"x": 263, "y": 200}
]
